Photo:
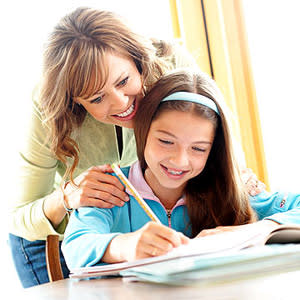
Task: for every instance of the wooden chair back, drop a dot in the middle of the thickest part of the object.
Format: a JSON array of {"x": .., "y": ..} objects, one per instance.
[{"x": 53, "y": 258}]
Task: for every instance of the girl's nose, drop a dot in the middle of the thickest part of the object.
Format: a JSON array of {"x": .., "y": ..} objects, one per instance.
[{"x": 180, "y": 158}]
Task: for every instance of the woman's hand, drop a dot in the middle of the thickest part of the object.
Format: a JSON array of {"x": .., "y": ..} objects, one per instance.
[
  {"x": 95, "y": 188},
  {"x": 152, "y": 239},
  {"x": 253, "y": 185}
]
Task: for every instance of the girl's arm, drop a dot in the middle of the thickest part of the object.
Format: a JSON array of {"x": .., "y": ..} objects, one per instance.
[
  {"x": 271, "y": 209},
  {"x": 261, "y": 226},
  {"x": 96, "y": 236},
  {"x": 283, "y": 208}
]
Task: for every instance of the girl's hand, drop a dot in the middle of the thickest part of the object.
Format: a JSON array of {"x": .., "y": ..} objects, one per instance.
[
  {"x": 152, "y": 239},
  {"x": 253, "y": 185},
  {"x": 95, "y": 188},
  {"x": 217, "y": 230},
  {"x": 261, "y": 226}
]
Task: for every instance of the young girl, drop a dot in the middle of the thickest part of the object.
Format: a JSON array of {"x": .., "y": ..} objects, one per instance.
[{"x": 186, "y": 173}]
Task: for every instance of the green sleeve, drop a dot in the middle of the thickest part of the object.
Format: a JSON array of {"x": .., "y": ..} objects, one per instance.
[
  {"x": 39, "y": 172},
  {"x": 34, "y": 180}
]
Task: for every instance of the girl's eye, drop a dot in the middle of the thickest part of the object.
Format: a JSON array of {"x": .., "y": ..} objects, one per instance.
[
  {"x": 97, "y": 100},
  {"x": 124, "y": 81},
  {"x": 199, "y": 149},
  {"x": 165, "y": 142}
]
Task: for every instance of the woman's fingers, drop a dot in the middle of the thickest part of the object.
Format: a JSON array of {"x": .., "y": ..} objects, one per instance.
[
  {"x": 105, "y": 191},
  {"x": 96, "y": 188},
  {"x": 97, "y": 175},
  {"x": 101, "y": 196},
  {"x": 253, "y": 185},
  {"x": 97, "y": 203},
  {"x": 104, "y": 168}
]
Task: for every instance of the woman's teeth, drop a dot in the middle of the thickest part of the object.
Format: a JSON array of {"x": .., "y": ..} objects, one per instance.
[{"x": 127, "y": 112}]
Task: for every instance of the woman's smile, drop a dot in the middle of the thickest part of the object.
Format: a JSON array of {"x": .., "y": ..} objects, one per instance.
[
  {"x": 128, "y": 114},
  {"x": 117, "y": 102}
]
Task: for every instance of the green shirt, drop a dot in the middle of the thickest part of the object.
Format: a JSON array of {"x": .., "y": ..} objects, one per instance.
[{"x": 39, "y": 172}]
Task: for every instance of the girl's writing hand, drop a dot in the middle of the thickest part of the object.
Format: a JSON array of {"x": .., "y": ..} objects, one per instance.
[
  {"x": 152, "y": 239},
  {"x": 95, "y": 188}
]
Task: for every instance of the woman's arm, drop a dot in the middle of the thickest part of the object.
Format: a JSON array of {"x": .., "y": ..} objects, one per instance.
[
  {"x": 34, "y": 181},
  {"x": 36, "y": 207}
]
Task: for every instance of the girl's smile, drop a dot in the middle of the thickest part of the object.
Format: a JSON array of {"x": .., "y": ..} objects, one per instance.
[
  {"x": 173, "y": 173},
  {"x": 178, "y": 145}
]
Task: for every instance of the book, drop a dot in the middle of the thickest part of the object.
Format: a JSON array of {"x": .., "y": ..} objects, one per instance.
[
  {"x": 243, "y": 264},
  {"x": 227, "y": 245}
]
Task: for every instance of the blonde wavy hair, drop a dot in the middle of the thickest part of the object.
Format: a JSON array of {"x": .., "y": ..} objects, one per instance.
[{"x": 74, "y": 66}]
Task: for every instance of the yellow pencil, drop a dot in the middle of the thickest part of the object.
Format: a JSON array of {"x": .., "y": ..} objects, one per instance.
[{"x": 135, "y": 194}]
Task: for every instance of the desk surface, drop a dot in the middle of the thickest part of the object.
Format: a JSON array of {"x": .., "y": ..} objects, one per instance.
[{"x": 282, "y": 286}]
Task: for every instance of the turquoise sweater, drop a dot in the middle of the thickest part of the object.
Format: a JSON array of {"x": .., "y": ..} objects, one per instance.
[{"x": 91, "y": 229}]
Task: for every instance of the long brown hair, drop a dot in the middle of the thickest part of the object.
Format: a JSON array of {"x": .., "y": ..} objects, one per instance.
[
  {"x": 74, "y": 66},
  {"x": 216, "y": 197}
]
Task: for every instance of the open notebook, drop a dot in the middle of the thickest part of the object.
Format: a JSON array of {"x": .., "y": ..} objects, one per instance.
[{"x": 224, "y": 245}]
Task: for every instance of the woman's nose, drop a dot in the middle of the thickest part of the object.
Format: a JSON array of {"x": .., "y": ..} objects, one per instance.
[{"x": 120, "y": 99}]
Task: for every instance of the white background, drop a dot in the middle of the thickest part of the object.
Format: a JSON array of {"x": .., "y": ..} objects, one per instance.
[{"x": 274, "y": 41}]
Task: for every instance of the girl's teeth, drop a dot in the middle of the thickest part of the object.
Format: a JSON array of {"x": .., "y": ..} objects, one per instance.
[
  {"x": 127, "y": 112},
  {"x": 175, "y": 172}
]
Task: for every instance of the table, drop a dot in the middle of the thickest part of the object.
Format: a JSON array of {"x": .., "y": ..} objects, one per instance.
[{"x": 280, "y": 286}]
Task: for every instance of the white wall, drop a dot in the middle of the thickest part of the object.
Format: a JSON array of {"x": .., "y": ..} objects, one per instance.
[{"x": 274, "y": 40}]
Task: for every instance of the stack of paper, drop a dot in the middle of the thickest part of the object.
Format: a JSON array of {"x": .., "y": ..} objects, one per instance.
[{"x": 249, "y": 262}]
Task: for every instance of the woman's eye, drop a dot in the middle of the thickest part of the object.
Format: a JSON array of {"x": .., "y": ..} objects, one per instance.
[
  {"x": 97, "y": 100},
  {"x": 165, "y": 142},
  {"x": 124, "y": 81}
]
